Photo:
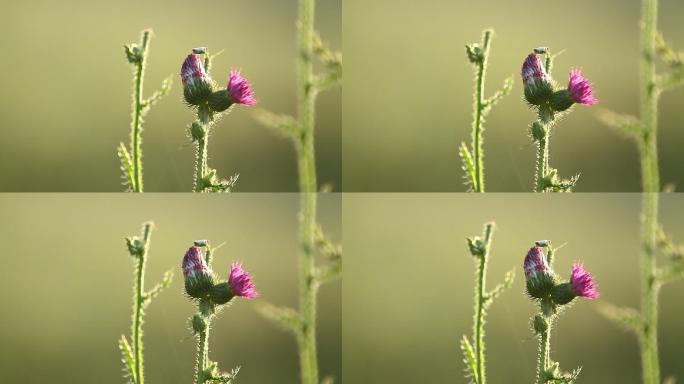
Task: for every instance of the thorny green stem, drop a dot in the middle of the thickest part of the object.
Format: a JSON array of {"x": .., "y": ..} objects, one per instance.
[
  {"x": 307, "y": 185},
  {"x": 136, "y": 125},
  {"x": 201, "y": 163},
  {"x": 139, "y": 303},
  {"x": 202, "y": 352},
  {"x": 542, "y": 164},
  {"x": 651, "y": 187},
  {"x": 478, "y": 324},
  {"x": 478, "y": 106},
  {"x": 544, "y": 353}
]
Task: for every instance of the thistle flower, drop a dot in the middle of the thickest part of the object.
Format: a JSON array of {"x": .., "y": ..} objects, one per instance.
[
  {"x": 540, "y": 277},
  {"x": 537, "y": 83},
  {"x": 197, "y": 86},
  {"x": 579, "y": 89},
  {"x": 581, "y": 284},
  {"x": 198, "y": 276},
  {"x": 239, "y": 284},
  {"x": 239, "y": 90}
]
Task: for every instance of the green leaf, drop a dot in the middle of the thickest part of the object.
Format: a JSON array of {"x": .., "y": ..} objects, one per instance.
[
  {"x": 499, "y": 289},
  {"x": 288, "y": 318},
  {"x": 627, "y": 125},
  {"x": 286, "y": 125},
  {"x": 127, "y": 358},
  {"x": 126, "y": 166},
  {"x": 496, "y": 97},
  {"x": 467, "y": 165},
  {"x": 156, "y": 96},
  {"x": 329, "y": 272},
  {"x": 154, "y": 292},
  {"x": 627, "y": 318},
  {"x": 469, "y": 359}
]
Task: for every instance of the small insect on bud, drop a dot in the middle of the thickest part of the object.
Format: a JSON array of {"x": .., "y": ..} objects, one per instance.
[
  {"x": 201, "y": 243},
  {"x": 199, "y": 50},
  {"x": 542, "y": 243},
  {"x": 541, "y": 50}
]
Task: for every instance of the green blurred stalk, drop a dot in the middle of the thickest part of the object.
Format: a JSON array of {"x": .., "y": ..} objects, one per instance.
[
  {"x": 651, "y": 187},
  {"x": 139, "y": 303},
  {"x": 478, "y": 106},
  {"x": 478, "y": 323},
  {"x": 306, "y": 338},
  {"x": 136, "y": 124}
]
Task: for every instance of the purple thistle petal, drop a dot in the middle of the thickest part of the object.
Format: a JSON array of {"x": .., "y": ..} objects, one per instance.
[
  {"x": 240, "y": 283},
  {"x": 533, "y": 69},
  {"x": 193, "y": 70},
  {"x": 194, "y": 263},
  {"x": 239, "y": 90},
  {"x": 579, "y": 89},
  {"x": 535, "y": 263},
  {"x": 582, "y": 282}
]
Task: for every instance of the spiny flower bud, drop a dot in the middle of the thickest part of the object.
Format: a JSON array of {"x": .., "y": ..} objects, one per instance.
[
  {"x": 199, "y": 279},
  {"x": 579, "y": 91},
  {"x": 239, "y": 284},
  {"x": 199, "y": 324},
  {"x": 539, "y": 276},
  {"x": 538, "y": 85},
  {"x": 581, "y": 284},
  {"x": 197, "y": 86},
  {"x": 539, "y": 324}
]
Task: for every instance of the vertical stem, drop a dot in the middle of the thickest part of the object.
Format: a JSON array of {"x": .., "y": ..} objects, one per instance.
[
  {"x": 478, "y": 105},
  {"x": 307, "y": 187},
  {"x": 542, "y": 164},
  {"x": 139, "y": 302},
  {"x": 478, "y": 324},
  {"x": 651, "y": 187},
  {"x": 201, "y": 162},
  {"x": 136, "y": 125},
  {"x": 202, "y": 352},
  {"x": 544, "y": 352}
]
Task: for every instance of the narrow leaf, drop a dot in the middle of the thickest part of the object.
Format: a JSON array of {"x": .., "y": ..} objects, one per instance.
[
  {"x": 625, "y": 124},
  {"x": 126, "y": 166},
  {"x": 283, "y": 124},
  {"x": 626, "y": 318},
  {"x": 329, "y": 272},
  {"x": 288, "y": 318},
  {"x": 467, "y": 165},
  {"x": 127, "y": 358},
  {"x": 154, "y": 292},
  {"x": 499, "y": 289},
  {"x": 469, "y": 359}
]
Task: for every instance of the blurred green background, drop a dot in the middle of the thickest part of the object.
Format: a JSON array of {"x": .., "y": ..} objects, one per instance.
[
  {"x": 66, "y": 286},
  {"x": 407, "y": 101},
  {"x": 66, "y": 95},
  {"x": 409, "y": 281}
]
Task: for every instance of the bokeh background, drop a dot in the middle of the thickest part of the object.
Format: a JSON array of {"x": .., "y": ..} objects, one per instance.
[
  {"x": 407, "y": 99},
  {"x": 409, "y": 281},
  {"x": 66, "y": 97},
  {"x": 66, "y": 286}
]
